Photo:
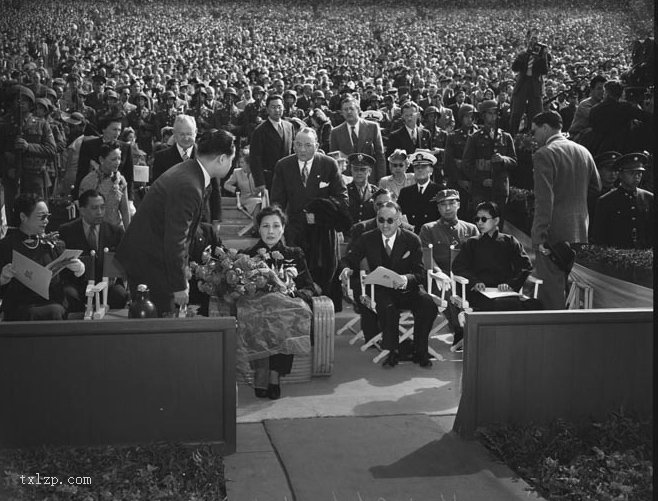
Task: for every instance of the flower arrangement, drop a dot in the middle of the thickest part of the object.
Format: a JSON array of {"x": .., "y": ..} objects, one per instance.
[{"x": 231, "y": 274}]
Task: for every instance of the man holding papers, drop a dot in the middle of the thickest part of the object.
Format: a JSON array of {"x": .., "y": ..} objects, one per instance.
[
  {"x": 496, "y": 266},
  {"x": 30, "y": 287},
  {"x": 398, "y": 251}
]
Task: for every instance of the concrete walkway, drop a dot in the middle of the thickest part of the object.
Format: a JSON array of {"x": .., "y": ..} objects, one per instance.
[{"x": 364, "y": 433}]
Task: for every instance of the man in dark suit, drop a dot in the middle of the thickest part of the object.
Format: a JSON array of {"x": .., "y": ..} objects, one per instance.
[
  {"x": 310, "y": 188},
  {"x": 155, "y": 249},
  {"x": 530, "y": 65},
  {"x": 89, "y": 232},
  {"x": 185, "y": 132},
  {"x": 410, "y": 137},
  {"x": 400, "y": 251},
  {"x": 416, "y": 201},
  {"x": 271, "y": 141},
  {"x": 356, "y": 135},
  {"x": 90, "y": 149}
]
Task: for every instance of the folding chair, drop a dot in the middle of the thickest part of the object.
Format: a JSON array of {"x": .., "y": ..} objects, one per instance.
[
  {"x": 405, "y": 326},
  {"x": 458, "y": 298},
  {"x": 265, "y": 202}
]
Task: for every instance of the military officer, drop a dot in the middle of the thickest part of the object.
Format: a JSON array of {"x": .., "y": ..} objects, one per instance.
[
  {"x": 360, "y": 191},
  {"x": 416, "y": 200},
  {"x": 609, "y": 173},
  {"x": 290, "y": 110},
  {"x": 624, "y": 215},
  {"x": 489, "y": 156},
  {"x": 454, "y": 151}
]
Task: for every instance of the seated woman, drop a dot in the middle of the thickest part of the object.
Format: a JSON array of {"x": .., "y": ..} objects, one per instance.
[
  {"x": 492, "y": 260},
  {"x": 19, "y": 302},
  {"x": 274, "y": 362},
  {"x": 243, "y": 181},
  {"x": 399, "y": 177},
  {"x": 111, "y": 184}
]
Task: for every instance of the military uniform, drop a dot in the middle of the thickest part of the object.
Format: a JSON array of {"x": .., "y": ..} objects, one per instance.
[
  {"x": 624, "y": 219},
  {"x": 143, "y": 121}
]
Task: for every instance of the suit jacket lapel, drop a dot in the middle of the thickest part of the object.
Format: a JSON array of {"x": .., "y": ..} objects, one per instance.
[
  {"x": 313, "y": 181},
  {"x": 398, "y": 248}
]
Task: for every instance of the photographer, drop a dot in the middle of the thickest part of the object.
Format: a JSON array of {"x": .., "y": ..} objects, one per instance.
[{"x": 530, "y": 66}]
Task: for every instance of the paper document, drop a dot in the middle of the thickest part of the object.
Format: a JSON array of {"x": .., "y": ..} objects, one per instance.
[
  {"x": 31, "y": 274},
  {"x": 382, "y": 276},
  {"x": 493, "y": 293},
  {"x": 65, "y": 257},
  {"x": 141, "y": 173}
]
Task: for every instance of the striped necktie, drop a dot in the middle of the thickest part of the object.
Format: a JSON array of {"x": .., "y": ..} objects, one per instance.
[
  {"x": 387, "y": 246},
  {"x": 305, "y": 174},
  {"x": 355, "y": 138},
  {"x": 185, "y": 155}
]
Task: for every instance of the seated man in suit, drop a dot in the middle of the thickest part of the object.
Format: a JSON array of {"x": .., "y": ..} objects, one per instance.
[
  {"x": 492, "y": 260},
  {"x": 416, "y": 200},
  {"x": 400, "y": 251},
  {"x": 90, "y": 232}
]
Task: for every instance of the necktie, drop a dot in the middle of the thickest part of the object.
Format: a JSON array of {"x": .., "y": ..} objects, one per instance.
[
  {"x": 355, "y": 139},
  {"x": 413, "y": 136},
  {"x": 387, "y": 246},
  {"x": 280, "y": 129},
  {"x": 420, "y": 190},
  {"x": 91, "y": 238},
  {"x": 185, "y": 155},
  {"x": 305, "y": 174}
]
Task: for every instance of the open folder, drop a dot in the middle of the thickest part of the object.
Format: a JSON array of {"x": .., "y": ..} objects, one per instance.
[
  {"x": 383, "y": 276},
  {"x": 36, "y": 277}
]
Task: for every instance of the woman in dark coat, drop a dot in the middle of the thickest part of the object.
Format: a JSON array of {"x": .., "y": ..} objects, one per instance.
[
  {"x": 19, "y": 302},
  {"x": 271, "y": 222}
]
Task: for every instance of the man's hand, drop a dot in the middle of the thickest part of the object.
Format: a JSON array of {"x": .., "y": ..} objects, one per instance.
[
  {"x": 345, "y": 274},
  {"x": 496, "y": 157},
  {"x": 20, "y": 144},
  {"x": 504, "y": 287},
  {"x": 8, "y": 273},
  {"x": 181, "y": 298},
  {"x": 480, "y": 287},
  {"x": 401, "y": 284}
]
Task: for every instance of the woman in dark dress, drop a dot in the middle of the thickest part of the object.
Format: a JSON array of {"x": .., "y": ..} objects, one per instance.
[
  {"x": 271, "y": 222},
  {"x": 29, "y": 239}
]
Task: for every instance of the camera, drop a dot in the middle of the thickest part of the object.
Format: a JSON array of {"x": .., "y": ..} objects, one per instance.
[{"x": 538, "y": 49}]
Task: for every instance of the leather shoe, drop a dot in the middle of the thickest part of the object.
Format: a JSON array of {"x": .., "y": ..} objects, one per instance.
[
  {"x": 274, "y": 391},
  {"x": 392, "y": 359},
  {"x": 422, "y": 360},
  {"x": 260, "y": 392}
]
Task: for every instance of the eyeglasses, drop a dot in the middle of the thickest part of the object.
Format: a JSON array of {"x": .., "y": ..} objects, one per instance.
[
  {"x": 43, "y": 217},
  {"x": 482, "y": 219},
  {"x": 387, "y": 220}
]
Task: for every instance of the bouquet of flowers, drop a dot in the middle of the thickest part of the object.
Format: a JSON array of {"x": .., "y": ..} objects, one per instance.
[{"x": 230, "y": 274}]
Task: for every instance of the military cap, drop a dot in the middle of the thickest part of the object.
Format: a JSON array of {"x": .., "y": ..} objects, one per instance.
[
  {"x": 51, "y": 92},
  {"x": 373, "y": 115},
  {"x": 463, "y": 110},
  {"x": 290, "y": 92},
  {"x": 24, "y": 91},
  {"x": 392, "y": 90},
  {"x": 398, "y": 155},
  {"x": 169, "y": 95},
  {"x": 75, "y": 118},
  {"x": 110, "y": 84},
  {"x": 445, "y": 195},
  {"x": 431, "y": 109},
  {"x": 59, "y": 81},
  {"x": 318, "y": 94},
  {"x": 632, "y": 161},
  {"x": 606, "y": 160},
  {"x": 358, "y": 160},
  {"x": 487, "y": 105},
  {"x": 230, "y": 91},
  {"x": 45, "y": 102},
  {"x": 172, "y": 81},
  {"x": 422, "y": 158},
  {"x": 110, "y": 93}
]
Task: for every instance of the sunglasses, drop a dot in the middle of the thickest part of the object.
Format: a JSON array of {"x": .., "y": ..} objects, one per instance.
[
  {"x": 482, "y": 219},
  {"x": 387, "y": 220},
  {"x": 43, "y": 217}
]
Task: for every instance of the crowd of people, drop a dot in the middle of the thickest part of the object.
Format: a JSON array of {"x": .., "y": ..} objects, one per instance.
[{"x": 327, "y": 104}]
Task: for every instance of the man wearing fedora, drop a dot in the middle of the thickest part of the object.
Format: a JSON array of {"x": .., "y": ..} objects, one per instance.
[
  {"x": 624, "y": 216},
  {"x": 564, "y": 175}
]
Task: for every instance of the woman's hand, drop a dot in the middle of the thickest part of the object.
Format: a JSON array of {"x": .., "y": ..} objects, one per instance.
[
  {"x": 77, "y": 267},
  {"x": 7, "y": 274}
]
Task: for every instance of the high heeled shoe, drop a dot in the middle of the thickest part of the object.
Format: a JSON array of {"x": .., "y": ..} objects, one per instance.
[{"x": 274, "y": 391}]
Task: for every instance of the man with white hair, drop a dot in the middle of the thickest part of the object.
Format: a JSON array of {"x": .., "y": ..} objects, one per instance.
[{"x": 184, "y": 148}]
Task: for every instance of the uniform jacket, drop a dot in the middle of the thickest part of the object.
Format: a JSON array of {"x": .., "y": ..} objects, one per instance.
[
  {"x": 443, "y": 236},
  {"x": 418, "y": 208},
  {"x": 267, "y": 148},
  {"x": 41, "y": 143},
  {"x": 624, "y": 219},
  {"x": 167, "y": 158},
  {"x": 155, "y": 246},
  {"x": 564, "y": 173},
  {"x": 369, "y": 142},
  {"x": 455, "y": 144},
  {"x": 361, "y": 208}
]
